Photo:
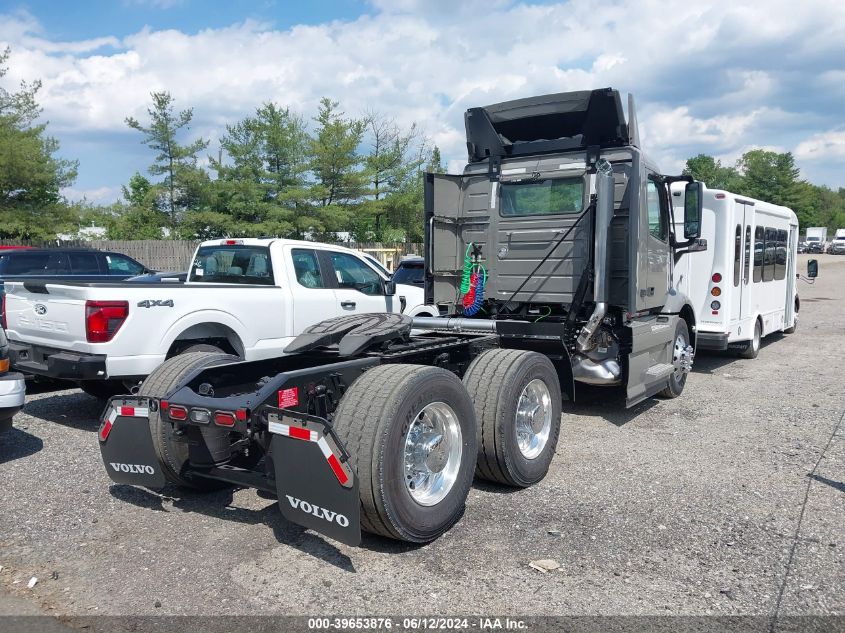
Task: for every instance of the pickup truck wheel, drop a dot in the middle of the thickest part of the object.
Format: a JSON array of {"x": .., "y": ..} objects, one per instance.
[
  {"x": 201, "y": 347},
  {"x": 518, "y": 404},
  {"x": 173, "y": 454},
  {"x": 103, "y": 389},
  {"x": 5, "y": 423},
  {"x": 410, "y": 434}
]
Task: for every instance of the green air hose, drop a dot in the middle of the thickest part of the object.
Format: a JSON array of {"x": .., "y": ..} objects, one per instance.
[{"x": 465, "y": 280}]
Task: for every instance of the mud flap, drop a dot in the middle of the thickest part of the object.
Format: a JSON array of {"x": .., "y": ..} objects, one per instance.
[
  {"x": 126, "y": 444},
  {"x": 315, "y": 485}
]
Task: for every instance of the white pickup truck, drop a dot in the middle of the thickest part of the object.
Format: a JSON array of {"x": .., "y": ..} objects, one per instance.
[{"x": 248, "y": 297}]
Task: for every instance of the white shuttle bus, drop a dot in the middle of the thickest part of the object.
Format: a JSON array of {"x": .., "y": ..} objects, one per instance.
[{"x": 743, "y": 285}]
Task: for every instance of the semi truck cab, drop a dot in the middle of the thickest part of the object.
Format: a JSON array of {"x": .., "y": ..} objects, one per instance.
[{"x": 568, "y": 226}]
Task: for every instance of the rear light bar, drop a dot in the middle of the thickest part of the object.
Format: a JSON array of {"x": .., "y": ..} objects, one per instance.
[{"x": 103, "y": 319}]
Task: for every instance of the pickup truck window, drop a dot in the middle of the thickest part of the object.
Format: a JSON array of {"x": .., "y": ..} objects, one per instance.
[
  {"x": 543, "y": 197},
  {"x": 248, "y": 265},
  {"x": 307, "y": 268},
  {"x": 351, "y": 272}
]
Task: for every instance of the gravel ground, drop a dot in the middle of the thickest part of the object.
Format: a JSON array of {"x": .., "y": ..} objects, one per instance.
[{"x": 699, "y": 505}]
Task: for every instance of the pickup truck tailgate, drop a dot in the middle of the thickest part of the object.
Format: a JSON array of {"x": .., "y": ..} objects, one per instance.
[{"x": 45, "y": 314}]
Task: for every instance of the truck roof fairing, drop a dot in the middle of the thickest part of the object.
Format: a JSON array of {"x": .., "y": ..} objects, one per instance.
[{"x": 564, "y": 121}]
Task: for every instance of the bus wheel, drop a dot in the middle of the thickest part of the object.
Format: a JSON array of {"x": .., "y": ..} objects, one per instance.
[
  {"x": 752, "y": 347},
  {"x": 410, "y": 434},
  {"x": 517, "y": 400}
]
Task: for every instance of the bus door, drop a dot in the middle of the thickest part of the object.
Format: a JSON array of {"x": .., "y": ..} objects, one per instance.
[
  {"x": 743, "y": 253},
  {"x": 791, "y": 248}
]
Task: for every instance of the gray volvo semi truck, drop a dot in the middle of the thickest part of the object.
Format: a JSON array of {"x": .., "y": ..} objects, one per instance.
[{"x": 550, "y": 261}]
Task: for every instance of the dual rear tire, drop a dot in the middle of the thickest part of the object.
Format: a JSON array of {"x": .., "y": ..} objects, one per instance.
[{"x": 417, "y": 435}]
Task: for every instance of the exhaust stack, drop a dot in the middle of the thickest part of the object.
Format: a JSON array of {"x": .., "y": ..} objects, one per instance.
[{"x": 604, "y": 213}]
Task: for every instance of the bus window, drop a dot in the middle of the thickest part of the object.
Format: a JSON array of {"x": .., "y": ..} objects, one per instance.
[
  {"x": 769, "y": 254},
  {"x": 759, "y": 243},
  {"x": 737, "y": 254},
  {"x": 781, "y": 255},
  {"x": 747, "y": 253}
]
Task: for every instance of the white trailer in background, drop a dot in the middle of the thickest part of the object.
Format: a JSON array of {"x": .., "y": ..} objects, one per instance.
[{"x": 743, "y": 286}]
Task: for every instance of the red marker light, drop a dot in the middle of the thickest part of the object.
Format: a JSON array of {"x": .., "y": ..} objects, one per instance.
[
  {"x": 717, "y": 277},
  {"x": 224, "y": 418},
  {"x": 178, "y": 413}
]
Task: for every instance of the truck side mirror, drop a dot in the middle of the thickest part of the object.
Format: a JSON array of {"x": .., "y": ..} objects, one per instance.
[
  {"x": 693, "y": 201},
  {"x": 813, "y": 268},
  {"x": 389, "y": 288}
]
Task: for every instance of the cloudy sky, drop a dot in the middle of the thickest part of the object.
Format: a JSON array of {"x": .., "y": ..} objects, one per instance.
[{"x": 709, "y": 76}]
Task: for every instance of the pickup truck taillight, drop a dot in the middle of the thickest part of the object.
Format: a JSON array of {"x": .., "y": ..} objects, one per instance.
[{"x": 103, "y": 319}]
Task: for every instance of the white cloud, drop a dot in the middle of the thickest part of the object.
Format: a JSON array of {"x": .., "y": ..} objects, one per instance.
[
  {"x": 707, "y": 76},
  {"x": 104, "y": 195},
  {"x": 829, "y": 146}
]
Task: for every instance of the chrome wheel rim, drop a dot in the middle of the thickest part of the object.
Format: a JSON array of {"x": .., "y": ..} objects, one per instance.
[
  {"x": 680, "y": 354},
  {"x": 432, "y": 456},
  {"x": 756, "y": 341},
  {"x": 533, "y": 418}
]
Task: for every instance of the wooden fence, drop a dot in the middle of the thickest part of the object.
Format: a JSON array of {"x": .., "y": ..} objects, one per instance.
[{"x": 171, "y": 255}]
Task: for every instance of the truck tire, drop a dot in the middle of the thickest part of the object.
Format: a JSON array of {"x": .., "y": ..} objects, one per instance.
[
  {"x": 678, "y": 378},
  {"x": 410, "y": 434},
  {"x": 515, "y": 445},
  {"x": 172, "y": 454},
  {"x": 103, "y": 389},
  {"x": 6, "y": 423},
  {"x": 752, "y": 347}
]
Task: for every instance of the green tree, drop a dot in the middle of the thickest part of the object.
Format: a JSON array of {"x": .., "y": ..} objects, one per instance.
[
  {"x": 261, "y": 183},
  {"x": 769, "y": 176},
  {"x": 31, "y": 175},
  {"x": 387, "y": 167},
  {"x": 339, "y": 183},
  {"x": 712, "y": 173},
  {"x": 183, "y": 181}
]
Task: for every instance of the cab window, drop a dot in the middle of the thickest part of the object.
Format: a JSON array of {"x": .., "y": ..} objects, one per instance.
[
  {"x": 657, "y": 225},
  {"x": 351, "y": 272},
  {"x": 307, "y": 268}
]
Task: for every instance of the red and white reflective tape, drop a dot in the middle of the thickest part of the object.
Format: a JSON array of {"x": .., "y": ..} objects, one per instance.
[
  {"x": 298, "y": 433},
  {"x": 127, "y": 412}
]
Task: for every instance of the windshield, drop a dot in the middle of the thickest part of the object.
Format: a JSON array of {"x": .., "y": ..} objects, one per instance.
[
  {"x": 233, "y": 265},
  {"x": 377, "y": 265},
  {"x": 409, "y": 273},
  {"x": 543, "y": 197}
]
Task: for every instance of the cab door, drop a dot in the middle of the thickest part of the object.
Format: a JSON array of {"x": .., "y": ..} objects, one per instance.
[
  {"x": 314, "y": 297},
  {"x": 357, "y": 287}
]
